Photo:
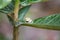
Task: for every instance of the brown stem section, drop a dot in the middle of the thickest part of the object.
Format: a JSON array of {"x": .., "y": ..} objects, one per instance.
[
  {"x": 15, "y": 29},
  {"x": 15, "y": 33}
]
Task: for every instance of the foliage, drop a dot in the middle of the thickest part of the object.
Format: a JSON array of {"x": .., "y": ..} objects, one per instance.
[
  {"x": 51, "y": 22},
  {"x": 29, "y": 2},
  {"x": 8, "y": 9},
  {"x": 4, "y": 3},
  {"x": 16, "y": 11}
]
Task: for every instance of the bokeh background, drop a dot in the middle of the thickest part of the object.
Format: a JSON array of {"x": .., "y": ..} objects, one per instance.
[{"x": 28, "y": 33}]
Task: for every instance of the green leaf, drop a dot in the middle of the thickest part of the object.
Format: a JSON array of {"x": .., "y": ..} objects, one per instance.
[
  {"x": 51, "y": 22},
  {"x": 8, "y": 9},
  {"x": 4, "y": 3},
  {"x": 29, "y": 2},
  {"x": 22, "y": 12}
]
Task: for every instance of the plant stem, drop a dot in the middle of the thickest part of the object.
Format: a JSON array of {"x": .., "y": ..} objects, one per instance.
[
  {"x": 15, "y": 33},
  {"x": 15, "y": 29},
  {"x": 16, "y": 9}
]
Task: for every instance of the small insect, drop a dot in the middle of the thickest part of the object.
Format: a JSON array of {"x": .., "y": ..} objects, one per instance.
[{"x": 29, "y": 20}]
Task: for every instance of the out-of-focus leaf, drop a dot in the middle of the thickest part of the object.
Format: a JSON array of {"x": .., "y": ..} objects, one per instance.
[
  {"x": 22, "y": 12},
  {"x": 4, "y": 3},
  {"x": 9, "y": 8},
  {"x": 29, "y": 2},
  {"x": 49, "y": 22},
  {"x": 2, "y": 37}
]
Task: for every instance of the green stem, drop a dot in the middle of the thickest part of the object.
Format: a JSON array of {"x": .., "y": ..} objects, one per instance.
[
  {"x": 16, "y": 9},
  {"x": 15, "y": 29},
  {"x": 42, "y": 26}
]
